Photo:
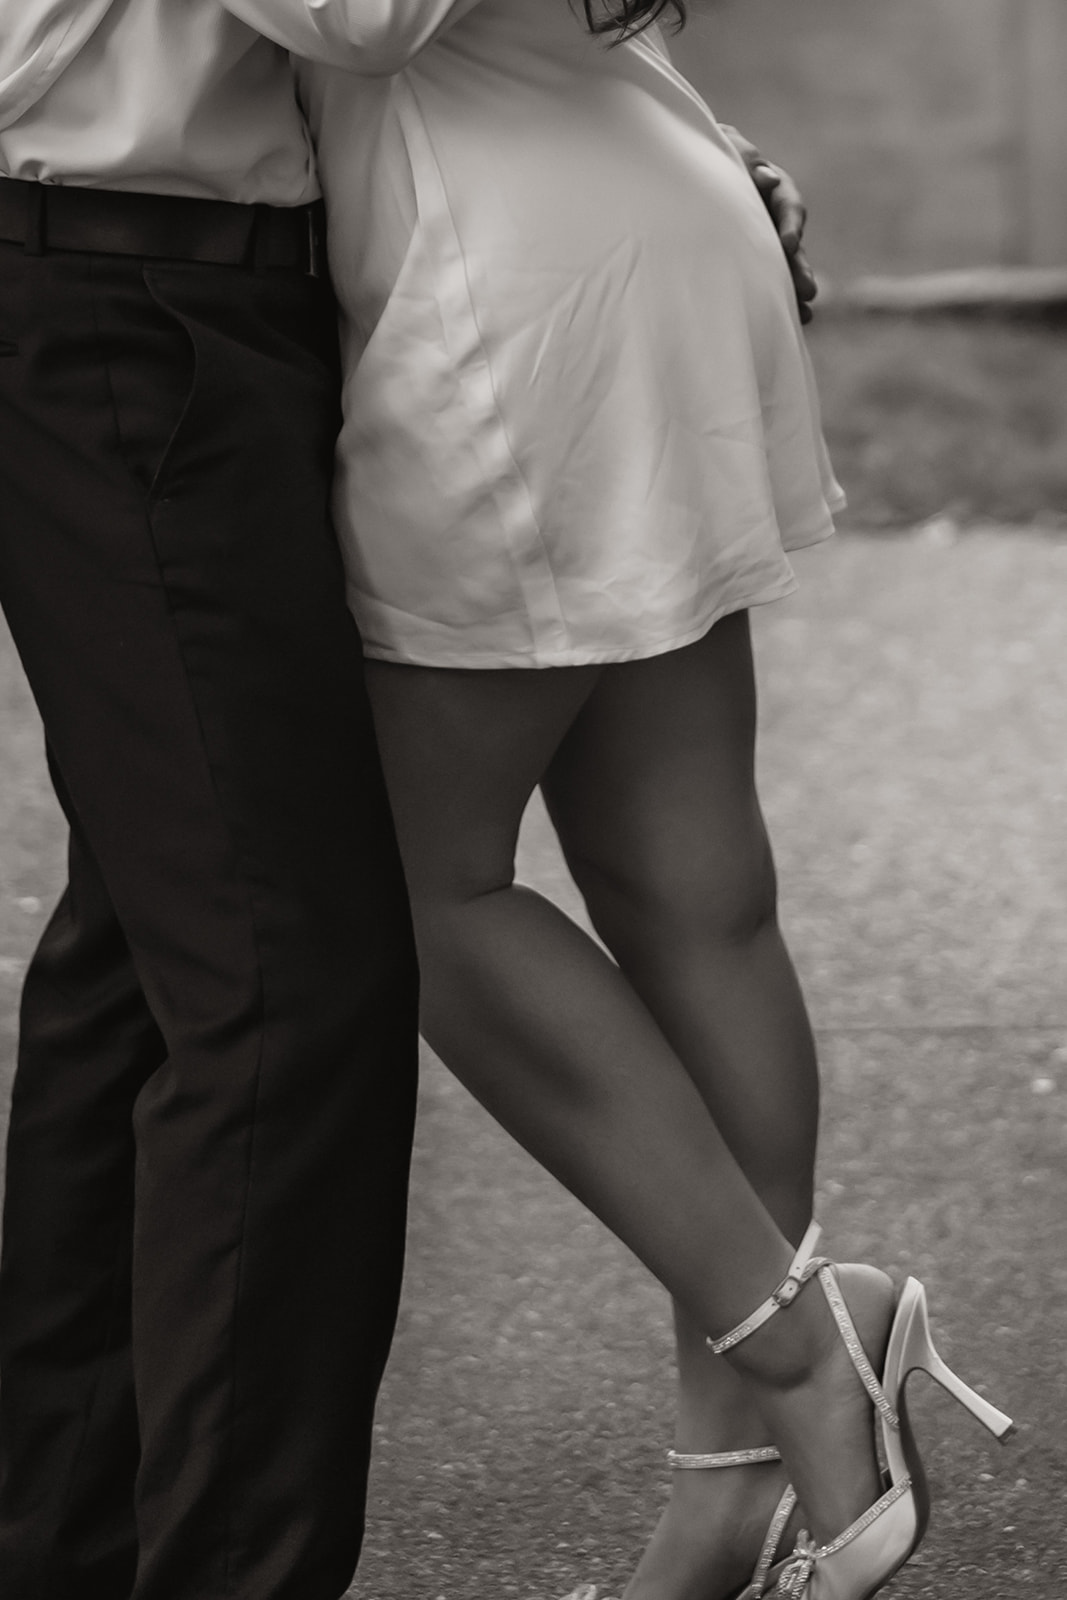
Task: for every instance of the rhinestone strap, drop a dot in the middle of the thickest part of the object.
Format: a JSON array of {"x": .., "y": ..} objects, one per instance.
[
  {"x": 847, "y": 1328},
  {"x": 724, "y": 1458},
  {"x": 872, "y": 1513},
  {"x": 773, "y": 1540},
  {"x": 803, "y": 1266},
  {"x": 794, "y": 1580}
]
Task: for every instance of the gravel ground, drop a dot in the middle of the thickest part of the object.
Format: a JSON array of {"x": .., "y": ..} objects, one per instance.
[{"x": 913, "y": 771}]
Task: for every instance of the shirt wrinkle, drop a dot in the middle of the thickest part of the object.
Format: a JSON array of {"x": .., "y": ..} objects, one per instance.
[
  {"x": 153, "y": 96},
  {"x": 26, "y": 68}
]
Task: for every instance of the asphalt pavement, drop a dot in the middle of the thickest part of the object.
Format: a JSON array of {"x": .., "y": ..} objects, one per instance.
[{"x": 913, "y": 767}]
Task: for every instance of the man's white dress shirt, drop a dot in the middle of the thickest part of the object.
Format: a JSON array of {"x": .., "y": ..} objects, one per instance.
[
  {"x": 186, "y": 96},
  {"x": 164, "y": 96}
]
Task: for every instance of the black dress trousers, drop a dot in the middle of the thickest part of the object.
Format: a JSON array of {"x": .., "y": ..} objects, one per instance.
[{"x": 212, "y": 1112}]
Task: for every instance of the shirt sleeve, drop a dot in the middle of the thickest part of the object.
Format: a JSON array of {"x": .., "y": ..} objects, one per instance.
[
  {"x": 374, "y": 37},
  {"x": 38, "y": 39}
]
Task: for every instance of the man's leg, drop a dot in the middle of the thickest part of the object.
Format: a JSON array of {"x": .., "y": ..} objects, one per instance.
[
  {"x": 171, "y": 582},
  {"x": 87, "y": 1044}
]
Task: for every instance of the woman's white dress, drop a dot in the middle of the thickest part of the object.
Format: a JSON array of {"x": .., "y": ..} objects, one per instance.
[{"x": 579, "y": 419}]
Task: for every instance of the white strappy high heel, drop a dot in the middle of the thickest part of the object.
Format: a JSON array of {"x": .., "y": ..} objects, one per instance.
[{"x": 863, "y": 1558}]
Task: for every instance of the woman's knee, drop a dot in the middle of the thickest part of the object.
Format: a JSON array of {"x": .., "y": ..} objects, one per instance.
[
  {"x": 722, "y": 898},
  {"x": 453, "y": 916}
]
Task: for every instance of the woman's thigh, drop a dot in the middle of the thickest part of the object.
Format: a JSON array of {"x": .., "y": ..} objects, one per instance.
[
  {"x": 652, "y": 793},
  {"x": 463, "y": 750}
]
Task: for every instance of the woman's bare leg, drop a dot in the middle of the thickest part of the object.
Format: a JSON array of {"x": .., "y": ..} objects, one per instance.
[
  {"x": 550, "y": 1035},
  {"x": 528, "y": 1011},
  {"x": 653, "y": 798}
]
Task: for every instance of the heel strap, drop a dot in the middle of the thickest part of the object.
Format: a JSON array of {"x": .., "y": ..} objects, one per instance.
[
  {"x": 803, "y": 1266},
  {"x": 847, "y": 1329},
  {"x": 723, "y": 1458}
]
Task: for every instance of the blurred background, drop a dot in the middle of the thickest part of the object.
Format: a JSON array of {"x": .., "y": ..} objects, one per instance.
[
  {"x": 930, "y": 140},
  {"x": 926, "y": 133}
]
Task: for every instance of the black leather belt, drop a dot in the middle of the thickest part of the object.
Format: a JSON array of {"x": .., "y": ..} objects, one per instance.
[{"x": 45, "y": 216}]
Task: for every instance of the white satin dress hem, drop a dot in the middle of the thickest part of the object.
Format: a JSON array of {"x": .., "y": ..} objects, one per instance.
[{"x": 438, "y": 654}]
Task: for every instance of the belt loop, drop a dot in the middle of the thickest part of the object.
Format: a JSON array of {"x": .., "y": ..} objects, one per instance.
[
  {"x": 261, "y": 239},
  {"x": 36, "y": 239}
]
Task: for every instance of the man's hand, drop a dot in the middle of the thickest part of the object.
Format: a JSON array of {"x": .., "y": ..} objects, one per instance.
[{"x": 788, "y": 213}]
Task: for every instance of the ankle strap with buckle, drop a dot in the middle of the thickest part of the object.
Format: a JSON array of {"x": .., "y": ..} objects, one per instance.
[{"x": 803, "y": 1266}]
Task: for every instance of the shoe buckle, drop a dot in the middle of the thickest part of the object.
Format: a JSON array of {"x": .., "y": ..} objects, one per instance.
[{"x": 787, "y": 1291}]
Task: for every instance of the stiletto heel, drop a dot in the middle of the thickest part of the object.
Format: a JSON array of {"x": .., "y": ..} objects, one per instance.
[
  {"x": 915, "y": 1352},
  {"x": 863, "y": 1558}
]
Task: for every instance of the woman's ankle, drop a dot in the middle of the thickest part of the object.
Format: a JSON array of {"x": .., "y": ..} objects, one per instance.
[
  {"x": 791, "y": 1349},
  {"x": 820, "y": 1413}
]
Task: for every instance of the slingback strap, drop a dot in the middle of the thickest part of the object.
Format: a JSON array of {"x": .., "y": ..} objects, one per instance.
[
  {"x": 803, "y": 1266},
  {"x": 847, "y": 1329},
  {"x": 723, "y": 1458}
]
